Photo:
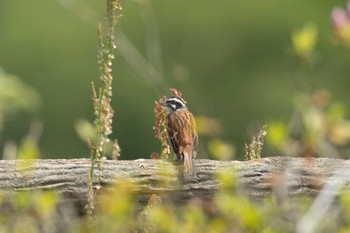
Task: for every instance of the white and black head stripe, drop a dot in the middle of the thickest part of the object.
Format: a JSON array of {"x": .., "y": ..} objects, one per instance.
[{"x": 175, "y": 103}]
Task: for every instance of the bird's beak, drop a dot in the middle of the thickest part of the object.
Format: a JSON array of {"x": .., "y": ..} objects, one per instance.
[{"x": 165, "y": 104}]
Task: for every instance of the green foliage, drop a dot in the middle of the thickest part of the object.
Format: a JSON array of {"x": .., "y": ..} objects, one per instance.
[
  {"x": 16, "y": 96},
  {"x": 317, "y": 126},
  {"x": 30, "y": 211}
]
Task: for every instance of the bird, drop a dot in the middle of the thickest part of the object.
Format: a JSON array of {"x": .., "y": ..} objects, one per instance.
[{"x": 182, "y": 133}]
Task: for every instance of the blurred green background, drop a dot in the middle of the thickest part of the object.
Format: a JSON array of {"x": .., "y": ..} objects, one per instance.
[{"x": 232, "y": 60}]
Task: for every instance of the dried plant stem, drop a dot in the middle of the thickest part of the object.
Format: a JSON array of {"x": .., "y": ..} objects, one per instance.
[
  {"x": 160, "y": 127},
  {"x": 253, "y": 150},
  {"x": 102, "y": 101}
]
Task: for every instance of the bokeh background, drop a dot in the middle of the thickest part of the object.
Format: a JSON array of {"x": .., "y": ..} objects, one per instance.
[{"x": 234, "y": 62}]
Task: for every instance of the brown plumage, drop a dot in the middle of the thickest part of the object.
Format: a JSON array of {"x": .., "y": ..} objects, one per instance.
[{"x": 182, "y": 132}]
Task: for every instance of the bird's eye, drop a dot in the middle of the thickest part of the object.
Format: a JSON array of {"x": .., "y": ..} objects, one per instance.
[{"x": 173, "y": 106}]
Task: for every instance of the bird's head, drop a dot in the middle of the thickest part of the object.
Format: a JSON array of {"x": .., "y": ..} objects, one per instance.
[{"x": 174, "y": 104}]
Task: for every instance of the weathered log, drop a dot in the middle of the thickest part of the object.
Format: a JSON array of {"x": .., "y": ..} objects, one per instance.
[{"x": 258, "y": 178}]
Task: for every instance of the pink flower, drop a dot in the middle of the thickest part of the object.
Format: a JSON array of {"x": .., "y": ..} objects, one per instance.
[
  {"x": 339, "y": 18},
  {"x": 341, "y": 24}
]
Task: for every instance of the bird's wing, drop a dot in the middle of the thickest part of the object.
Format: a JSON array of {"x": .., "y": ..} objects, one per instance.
[{"x": 173, "y": 139}]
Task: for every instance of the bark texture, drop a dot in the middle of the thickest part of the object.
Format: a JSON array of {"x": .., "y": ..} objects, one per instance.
[{"x": 257, "y": 178}]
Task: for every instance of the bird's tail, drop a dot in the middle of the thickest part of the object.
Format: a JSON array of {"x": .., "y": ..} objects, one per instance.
[{"x": 188, "y": 164}]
